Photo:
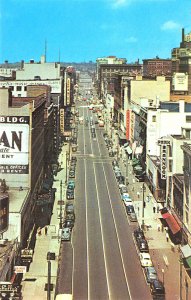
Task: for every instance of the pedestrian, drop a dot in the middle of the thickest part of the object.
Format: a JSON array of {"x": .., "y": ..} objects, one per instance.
[
  {"x": 138, "y": 195},
  {"x": 154, "y": 209},
  {"x": 167, "y": 237},
  {"x": 147, "y": 199},
  {"x": 45, "y": 230},
  {"x": 158, "y": 208}
]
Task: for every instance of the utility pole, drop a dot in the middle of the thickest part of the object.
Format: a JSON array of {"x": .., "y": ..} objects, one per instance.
[
  {"x": 60, "y": 204},
  {"x": 66, "y": 167},
  {"x": 49, "y": 281},
  {"x": 143, "y": 205},
  {"x": 126, "y": 173}
]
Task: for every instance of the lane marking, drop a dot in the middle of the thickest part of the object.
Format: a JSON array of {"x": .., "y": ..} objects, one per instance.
[
  {"x": 122, "y": 260},
  {"x": 102, "y": 236},
  {"x": 119, "y": 245},
  {"x": 87, "y": 235}
]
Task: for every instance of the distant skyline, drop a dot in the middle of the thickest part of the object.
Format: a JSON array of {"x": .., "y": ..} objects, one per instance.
[{"x": 83, "y": 30}]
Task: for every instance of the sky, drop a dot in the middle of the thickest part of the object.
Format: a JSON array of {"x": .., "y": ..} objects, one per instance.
[{"x": 83, "y": 30}]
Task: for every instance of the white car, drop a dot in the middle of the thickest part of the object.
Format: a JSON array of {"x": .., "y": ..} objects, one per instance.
[
  {"x": 126, "y": 199},
  {"x": 66, "y": 234},
  {"x": 145, "y": 259}
]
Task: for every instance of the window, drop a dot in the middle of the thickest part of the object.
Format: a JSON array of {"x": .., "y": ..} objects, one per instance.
[
  {"x": 188, "y": 119},
  {"x": 25, "y": 88},
  {"x": 11, "y": 88},
  {"x": 19, "y": 88},
  {"x": 153, "y": 118},
  {"x": 187, "y": 134}
]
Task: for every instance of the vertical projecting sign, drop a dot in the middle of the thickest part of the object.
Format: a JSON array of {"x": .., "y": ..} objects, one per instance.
[
  {"x": 68, "y": 91},
  {"x": 14, "y": 144},
  {"x": 163, "y": 156},
  {"x": 128, "y": 124},
  {"x": 62, "y": 121}
]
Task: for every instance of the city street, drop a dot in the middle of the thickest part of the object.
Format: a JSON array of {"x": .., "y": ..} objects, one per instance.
[{"x": 105, "y": 263}]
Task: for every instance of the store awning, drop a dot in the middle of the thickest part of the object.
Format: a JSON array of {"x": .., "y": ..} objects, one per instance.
[
  {"x": 188, "y": 261},
  {"x": 173, "y": 225},
  {"x": 186, "y": 251},
  {"x": 166, "y": 215}
]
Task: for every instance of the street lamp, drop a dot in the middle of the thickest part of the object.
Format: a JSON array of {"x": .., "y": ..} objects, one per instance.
[
  {"x": 143, "y": 204},
  {"x": 66, "y": 167},
  {"x": 162, "y": 276}
]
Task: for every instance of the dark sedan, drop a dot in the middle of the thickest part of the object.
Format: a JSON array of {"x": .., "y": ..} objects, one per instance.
[
  {"x": 70, "y": 194},
  {"x": 68, "y": 224},
  {"x": 150, "y": 274},
  {"x": 142, "y": 245},
  {"x": 129, "y": 209},
  {"x": 72, "y": 174},
  {"x": 139, "y": 234}
]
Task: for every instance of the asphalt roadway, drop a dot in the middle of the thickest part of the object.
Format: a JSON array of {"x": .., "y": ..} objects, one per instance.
[{"x": 101, "y": 261}]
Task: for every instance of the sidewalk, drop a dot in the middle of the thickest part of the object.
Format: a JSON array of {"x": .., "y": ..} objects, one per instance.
[
  {"x": 33, "y": 283},
  {"x": 164, "y": 254}
]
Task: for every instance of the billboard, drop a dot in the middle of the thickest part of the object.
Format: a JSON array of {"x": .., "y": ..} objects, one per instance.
[
  {"x": 180, "y": 82},
  {"x": 4, "y": 212},
  {"x": 14, "y": 145}
]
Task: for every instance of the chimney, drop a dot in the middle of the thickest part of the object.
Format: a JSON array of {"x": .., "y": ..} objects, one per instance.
[
  {"x": 182, "y": 35},
  {"x": 22, "y": 64}
]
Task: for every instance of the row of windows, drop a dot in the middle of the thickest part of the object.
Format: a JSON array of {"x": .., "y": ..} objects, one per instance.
[{"x": 17, "y": 88}]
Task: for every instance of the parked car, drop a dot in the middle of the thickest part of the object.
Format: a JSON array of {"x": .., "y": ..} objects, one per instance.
[
  {"x": 117, "y": 174},
  {"x": 129, "y": 209},
  {"x": 116, "y": 169},
  {"x": 115, "y": 163},
  {"x": 120, "y": 179},
  {"x": 69, "y": 208},
  {"x": 66, "y": 234},
  {"x": 126, "y": 199},
  {"x": 72, "y": 167},
  {"x": 73, "y": 163},
  {"x": 133, "y": 217},
  {"x": 139, "y": 234},
  {"x": 121, "y": 185},
  {"x": 150, "y": 274},
  {"x": 74, "y": 158},
  {"x": 111, "y": 153},
  {"x": 123, "y": 189},
  {"x": 142, "y": 245},
  {"x": 70, "y": 216},
  {"x": 157, "y": 289},
  {"x": 68, "y": 224},
  {"x": 71, "y": 183},
  {"x": 71, "y": 174},
  {"x": 70, "y": 194},
  {"x": 145, "y": 259}
]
